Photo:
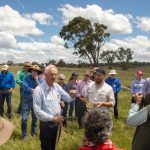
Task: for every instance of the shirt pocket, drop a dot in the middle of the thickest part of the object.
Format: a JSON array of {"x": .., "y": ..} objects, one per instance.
[
  {"x": 102, "y": 97},
  {"x": 48, "y": 100}
]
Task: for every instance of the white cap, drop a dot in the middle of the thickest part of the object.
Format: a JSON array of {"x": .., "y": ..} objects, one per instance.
[{"x": 113, "y": 72}]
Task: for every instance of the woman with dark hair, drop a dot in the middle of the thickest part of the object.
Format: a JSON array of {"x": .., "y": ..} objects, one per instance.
[
  {"x": 140, "y": 118},
  {"x": 97, "y": 125}
]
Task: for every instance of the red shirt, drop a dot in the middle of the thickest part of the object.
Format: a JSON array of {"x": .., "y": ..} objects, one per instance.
[{"x": 105, "y": 146}]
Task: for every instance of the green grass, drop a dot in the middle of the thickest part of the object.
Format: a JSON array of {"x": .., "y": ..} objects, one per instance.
[{"x": 71, "y": 137}]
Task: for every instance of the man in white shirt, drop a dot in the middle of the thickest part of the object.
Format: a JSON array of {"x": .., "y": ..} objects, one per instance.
[
  {"x": 46, "y": 104},
  {"x": 100, "y": 93}
]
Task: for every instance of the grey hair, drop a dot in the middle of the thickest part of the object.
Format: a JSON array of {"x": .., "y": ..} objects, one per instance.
[
  {"x": 97, "y": 125},
  {"x": 49, "y": 68}
]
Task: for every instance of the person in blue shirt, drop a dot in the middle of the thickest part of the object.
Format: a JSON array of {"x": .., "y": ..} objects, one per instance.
[
  {"x": 30, "y": 82},
  {"x": 116, "y": 85},
  {"x": 7, "y": 84}
]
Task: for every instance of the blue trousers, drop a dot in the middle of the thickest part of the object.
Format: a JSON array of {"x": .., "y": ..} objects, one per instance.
[
  {"x": 20, "y": 104},
  {"x": 27, "y": 106}
]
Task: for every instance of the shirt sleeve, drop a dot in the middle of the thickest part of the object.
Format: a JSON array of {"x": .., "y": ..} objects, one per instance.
[
  {"x": 25, "y": 85},
  {"x": 144, "y": 90},
  {"x": 18, "y": 78},
  {"x": 132, "y": 87},
  {"x": 65, "y": 96},
  {"x": 118, "y": 86},
  {"x": 136, "y": 117},
  {"x": 13, "y": 84},
  {"x": 37, "y": 105}
]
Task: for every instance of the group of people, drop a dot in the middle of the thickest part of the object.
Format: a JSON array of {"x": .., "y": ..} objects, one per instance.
[{"x": 91, "y": 96}]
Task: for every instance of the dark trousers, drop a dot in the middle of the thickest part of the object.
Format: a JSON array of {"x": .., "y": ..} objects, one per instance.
[
  {"x": 20, "y": 104},
  {"x": 48, "y": 134},
  {"x": 5, "y": 95},
  {"x": 81, "y": 111},
  {"x": 116, "y": 105}
]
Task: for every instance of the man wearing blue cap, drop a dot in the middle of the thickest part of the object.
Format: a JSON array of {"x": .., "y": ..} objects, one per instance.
[{"x": 100, "y": 93}]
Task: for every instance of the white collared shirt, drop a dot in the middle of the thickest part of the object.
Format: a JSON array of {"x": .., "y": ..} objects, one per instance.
[{"x": 46, "y": 101}]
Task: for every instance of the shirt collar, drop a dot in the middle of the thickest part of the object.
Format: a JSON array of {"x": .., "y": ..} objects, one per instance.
[{"x": 47, "y": 86}]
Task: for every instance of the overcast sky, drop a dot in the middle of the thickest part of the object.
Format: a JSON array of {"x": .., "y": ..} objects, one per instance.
[{"x": 29, "y": 29}]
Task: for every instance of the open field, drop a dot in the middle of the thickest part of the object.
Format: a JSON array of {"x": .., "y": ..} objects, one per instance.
[{"x": 71, "y": 136}]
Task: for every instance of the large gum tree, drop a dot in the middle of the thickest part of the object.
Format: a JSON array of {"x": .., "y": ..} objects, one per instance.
[{"x": 86, "y": 38}]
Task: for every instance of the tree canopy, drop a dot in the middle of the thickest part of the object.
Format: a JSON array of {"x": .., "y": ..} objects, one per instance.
[{"x": 86, "y": 38}]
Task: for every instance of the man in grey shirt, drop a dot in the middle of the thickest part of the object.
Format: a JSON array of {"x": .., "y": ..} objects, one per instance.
[{"x": 46, "y": 104}]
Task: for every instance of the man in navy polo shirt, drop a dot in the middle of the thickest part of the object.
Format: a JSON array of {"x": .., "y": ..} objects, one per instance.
[
  {"x": 7, "y": 84},
  {"x": 116, "y": 85}
]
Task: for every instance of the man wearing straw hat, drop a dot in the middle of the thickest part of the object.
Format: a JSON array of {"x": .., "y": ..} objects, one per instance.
[
  {"x": 19, "y": 80},
  {"x": 6, "y": 129},
  {"x": 116, "y": 85},
  {"x": 29, "y": 84},
  {"x": 46, "y": 104},
  {"x": 7, "y": 84}
]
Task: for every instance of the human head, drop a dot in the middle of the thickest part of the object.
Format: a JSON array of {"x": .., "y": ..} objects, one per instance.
[
  {"x": 42, "y": 66},
  {"x": 26, "y": 66},
  {"x": 5, "y": 68},
  {"x": 61, "y": 78},
  {"x": 99, "y": 76},
  {"x": 35, "y": 71},
  {"x": 139, "y": 74},
  {"x": 50, "y": 74},
  {"x": 6, "y": 129},
  {"x": 112, "y": 73},
  {"x": 74, "y": 76},
  {"x": 97, "y": 125},
  {"x": 86, "y": 75}
]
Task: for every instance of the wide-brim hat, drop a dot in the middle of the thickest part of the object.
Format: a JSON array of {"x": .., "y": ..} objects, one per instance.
[
  {"x": 6, "y": 130},
  {"x": 61, "y": 76},
  {"x": 112, "y": 72},
  {"x": 5, "y": 67},
  {"x": 35, "y": 67},
  {"x": 87, "y": 73},
  {"x": 27, "y": 64}
]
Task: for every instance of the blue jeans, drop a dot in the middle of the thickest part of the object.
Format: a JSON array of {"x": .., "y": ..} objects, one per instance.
[
  {"x": 5, "y": 95},
  {"x": 27, "y": 106},
  {"x": 20, "y": 104}
]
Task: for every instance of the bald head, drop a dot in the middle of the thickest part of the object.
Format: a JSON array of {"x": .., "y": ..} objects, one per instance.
[{"x": 50, "y": 74}]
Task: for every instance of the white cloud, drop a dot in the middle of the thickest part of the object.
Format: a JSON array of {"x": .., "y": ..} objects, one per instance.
[
  {"x": 139, "y": 44},
  {"x": 143, "y": 23},
  {"x": 11, "y": 21},
  {"x": 41, "y": 18},
  {"x": 117, "y": 23}
]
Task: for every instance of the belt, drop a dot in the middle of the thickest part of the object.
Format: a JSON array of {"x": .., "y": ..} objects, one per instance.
[{"x": 48, "y": 124}]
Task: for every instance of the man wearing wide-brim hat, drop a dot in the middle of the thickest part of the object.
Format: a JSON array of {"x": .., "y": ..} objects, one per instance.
[
  {"x": 19, "y": 80},
  {"x": 6, "y": 130},
  {"x": 116, "y": 85},
  {"x": 30, "y": 82}
]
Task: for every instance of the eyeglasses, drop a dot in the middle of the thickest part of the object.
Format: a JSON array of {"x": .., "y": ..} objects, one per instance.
[{"x": 61, "y": 79}]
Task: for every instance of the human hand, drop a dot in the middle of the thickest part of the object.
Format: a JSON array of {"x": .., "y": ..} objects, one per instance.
[
  {"x": 138, "y": 98},
  {"x": 58, "y": 119},
  {"x": 62, "y": 104},
  {"x": 73, "y": 93},
  {"x": 10, "y": 89},
  {"x": 32, "y": 90},
  {"x": 98, "y": 104}
]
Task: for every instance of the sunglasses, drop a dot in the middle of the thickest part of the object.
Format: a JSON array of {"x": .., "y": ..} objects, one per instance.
[{"x": 61, "y": 79}]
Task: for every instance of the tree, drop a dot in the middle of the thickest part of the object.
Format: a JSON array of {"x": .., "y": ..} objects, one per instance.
[
  {"x": 52, "y": 61},
  {"x": 10, "y": 62},
  {"x": 61, "y": 63},
  {"x": 124, "y": 56},
  {"x": 108, "y": 57},
  {"x": 86, "y": 38}
]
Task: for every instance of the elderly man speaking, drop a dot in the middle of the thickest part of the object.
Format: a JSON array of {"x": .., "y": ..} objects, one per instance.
[{"x": 46, "y": 104}]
